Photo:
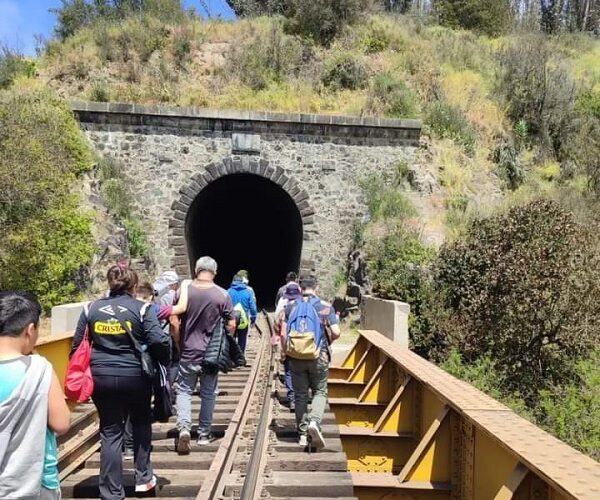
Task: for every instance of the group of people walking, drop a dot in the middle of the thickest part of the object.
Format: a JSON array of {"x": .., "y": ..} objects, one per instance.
[{"x": 171, "y": 323}]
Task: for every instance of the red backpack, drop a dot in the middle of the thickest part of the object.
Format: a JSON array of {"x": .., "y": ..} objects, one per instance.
[{"x": 79, "y": 383}]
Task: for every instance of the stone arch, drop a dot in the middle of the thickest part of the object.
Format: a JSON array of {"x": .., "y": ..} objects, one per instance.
[{"x": 227, "y": 166}]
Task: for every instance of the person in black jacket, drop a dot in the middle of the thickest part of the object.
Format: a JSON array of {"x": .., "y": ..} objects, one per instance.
[{"x": 120, "y": 386}]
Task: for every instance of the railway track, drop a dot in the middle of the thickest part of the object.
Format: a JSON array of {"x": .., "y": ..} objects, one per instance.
[{"x": 256, "y": 454}]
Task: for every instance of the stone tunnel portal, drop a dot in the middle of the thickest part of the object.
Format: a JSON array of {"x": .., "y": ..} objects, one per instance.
[{"x": 245, "y": 221}]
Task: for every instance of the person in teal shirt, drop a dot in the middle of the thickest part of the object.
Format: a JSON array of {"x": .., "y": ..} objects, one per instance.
[{"x": 30, "y": 395}]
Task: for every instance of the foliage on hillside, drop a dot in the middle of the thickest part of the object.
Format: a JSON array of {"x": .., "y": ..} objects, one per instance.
[{"x": 46, "y": 239}]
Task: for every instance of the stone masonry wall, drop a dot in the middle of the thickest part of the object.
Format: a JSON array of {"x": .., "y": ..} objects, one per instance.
[{"x": 168, "y": 158}]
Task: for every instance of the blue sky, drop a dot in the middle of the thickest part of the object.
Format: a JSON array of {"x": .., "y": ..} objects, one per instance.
[{"x": 20, "y": 20}]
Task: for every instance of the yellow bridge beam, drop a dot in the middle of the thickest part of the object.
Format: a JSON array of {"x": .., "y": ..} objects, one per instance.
[{"x": 413, "y": 432}]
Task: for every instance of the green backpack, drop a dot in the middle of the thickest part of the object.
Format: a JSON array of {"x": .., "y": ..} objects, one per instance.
[{"x": 241, "y": 317}]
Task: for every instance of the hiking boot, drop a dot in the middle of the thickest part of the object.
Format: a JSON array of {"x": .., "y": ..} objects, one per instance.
[
  {"x": 128, "y": 454},
  {"x": 143, "y": 488},
  {"x": 205, "y": 439},
  {"x": 183, "y": 442},
  {"x": 303, "y": 440},
  {"x": 316, "y": 436}
]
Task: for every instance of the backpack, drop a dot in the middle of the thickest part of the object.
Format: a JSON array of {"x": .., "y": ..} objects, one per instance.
[
  {"x": 304, "y": 333},
  {"x": 241, "y": 317}
]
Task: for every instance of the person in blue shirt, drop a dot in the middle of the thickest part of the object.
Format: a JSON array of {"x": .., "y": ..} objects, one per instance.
[
  {"x": 32, "y": 405},
  {"x": 242, "y": 296}
]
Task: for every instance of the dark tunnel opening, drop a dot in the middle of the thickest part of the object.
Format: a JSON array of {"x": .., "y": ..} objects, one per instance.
[{"x": 245, "y": 221}]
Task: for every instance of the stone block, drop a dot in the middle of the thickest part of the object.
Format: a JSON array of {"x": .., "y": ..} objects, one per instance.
[
  {"x": 388, "y": 317},
  {"x": 177, "y": 231},
  {"x": 254, "y": 166},
  {"x": 173, "y": 223},
  {"x": 245, "y": 164},
  {"x": 236, "y": 164},
  {"x": 302, "y": 205},
  {"x": 279, "y": 172},
  {"x": 307, "y": 211},
  {"x": 191, "y": 190},
  {"x": 245, "y": 143},
  {"x": 269, "y": 172},
  {"x": 181, "y": 260},
  {"x": 308, "y": 220},
  {"x": 179, "y": 215},
  {"x": 210, "y": 173},
  {"x": 176, "y": 241},
  {"x": 64, "y": 318},
  {"x": 177, "y": 205},
  {"x": 301, "y": 196}
]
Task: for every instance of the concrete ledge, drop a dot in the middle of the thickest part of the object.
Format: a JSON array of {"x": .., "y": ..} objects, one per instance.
[
  {"x": 406, "y": 131},
  {"x": 388, "y": 317},
  {"x": 64, "y": 318}
]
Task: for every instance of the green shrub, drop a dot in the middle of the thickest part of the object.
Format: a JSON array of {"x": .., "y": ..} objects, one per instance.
[
  {"x": 522, "y": 288},
  {"x": 384, "y": 197},
  {"x": 536, "y": 85},
  {"x": 492, "y": 17},
  {"x": 267, "y": 57},
  {"x": 345, "y": 72},
  {"x": 117, "y": 195},
  {"x": 448, "y": 122},
  {"x": 46, "y": 239},
  {"x": 100, "y": 92},
  {"x": 138, "y": 243},
  {"x": 323, "y": 20},
  {"x": 375, "y": 39},
  {"x": 12, "y": 65},
  {"x": 572, "y": 412},
  {"x": 509, "y": 164},
  {"x": 589, "y": 103},
  {"x": 395, "y": 97}
]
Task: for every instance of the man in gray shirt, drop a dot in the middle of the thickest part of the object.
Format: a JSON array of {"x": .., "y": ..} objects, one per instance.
[{"x": 208, "y": 306}]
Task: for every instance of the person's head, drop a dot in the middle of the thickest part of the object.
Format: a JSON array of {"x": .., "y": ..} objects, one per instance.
[
  {"x": 206, "y": 268},
  {"x": 308, "y": 284},
  {"x": 19, "y": 319},
  {"x": 237, "y": 279},
  {"x": 145, "y": 292},
  {"x": 167, "y": 280},
  {"x": 121, "y": 280},
  {"x": 292, "y": 292},
  {"x": 291, "y": 276},
  {"x": 245, "y": 275}
]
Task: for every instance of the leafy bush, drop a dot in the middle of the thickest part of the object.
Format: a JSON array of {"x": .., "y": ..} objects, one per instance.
[
  {"x": 117, "y": 195},
  {"x": 12, "y": 65},
  {"x": 345, "y": 72},
  {"x": 323, "y": 20},
  {"x": 448, "y": 122},
  {"x": 384, "y": 198},
  {"x": 266, "y": 57},
  {"x": 572, "y": 412},
  {"x": 73, "y": 15},
  {"x": 100, "y": 92},
  {"x": 393, "y": 97},
  {"x": 537, "y": 87},
  {"x": 375, "y": 39},
  {"x": 46, "y": 239},
  {"x": 507, "y": 158},
  {"x": 522, "y": 288},
  {"x": 487, "y": 16}
]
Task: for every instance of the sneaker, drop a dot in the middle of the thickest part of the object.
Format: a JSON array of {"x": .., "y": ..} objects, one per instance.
[
  {"x": 303, "y": 440},
  {"x": 143, "y": 488},
  {"x": 183, "y": 442},
  {"x": 316, "y": 436},
  {"x": 128, "y": 454},
  {"x": 205, "y": 439}
]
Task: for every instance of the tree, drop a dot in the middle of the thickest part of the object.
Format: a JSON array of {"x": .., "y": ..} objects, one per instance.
[
  {"x": 491, "y": 17},
  {"x": 522, "y": 288}
]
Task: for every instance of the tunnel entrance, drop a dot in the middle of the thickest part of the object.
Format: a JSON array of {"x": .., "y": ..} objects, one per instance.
[{"x": 245, "y": 221}]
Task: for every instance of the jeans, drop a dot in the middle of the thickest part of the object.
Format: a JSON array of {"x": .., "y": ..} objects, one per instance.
[
  {"x": 242, "y": 336},
  {"x": 287, "y": 377},
  {"x": 309, "y": 374},
  {"x": 186, "y": 383},
  {"x": 116, "y": 397}
]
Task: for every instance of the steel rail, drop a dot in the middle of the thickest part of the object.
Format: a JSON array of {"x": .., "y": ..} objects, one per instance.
[
  {"x": 214, "y": 484},
  {"x": 256, "y": 462}
]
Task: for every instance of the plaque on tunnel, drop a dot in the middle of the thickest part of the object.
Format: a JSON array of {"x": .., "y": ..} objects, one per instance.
[{"x": 245, "y": 143}]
